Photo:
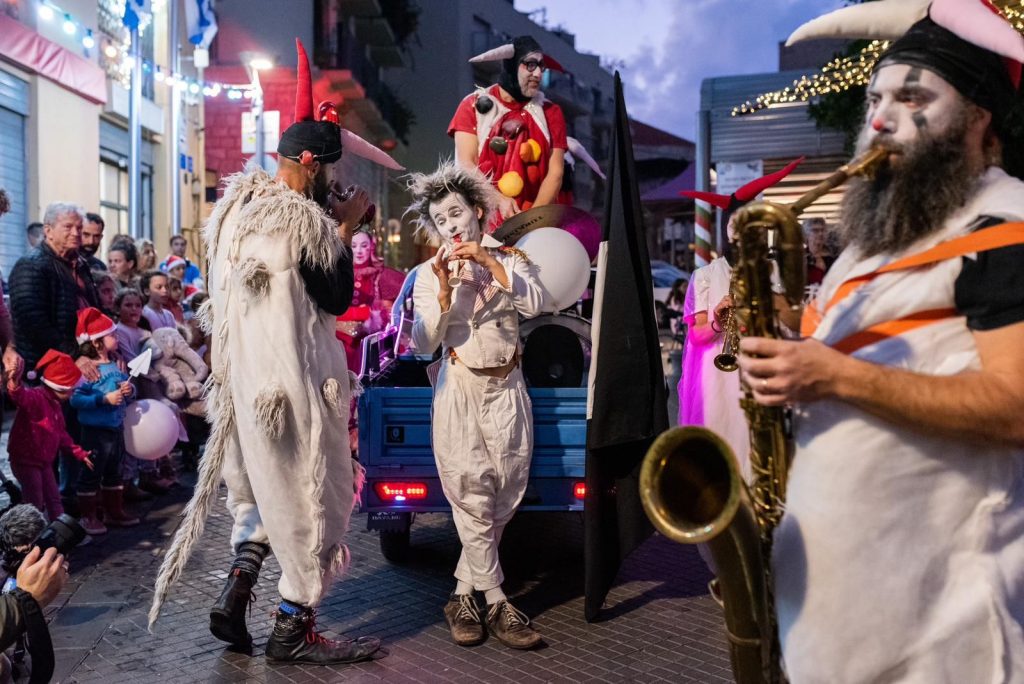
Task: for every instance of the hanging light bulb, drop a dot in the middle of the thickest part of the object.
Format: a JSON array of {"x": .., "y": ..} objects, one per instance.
[
  {"x": 69, "y": 25},
  {"x": 110, "y": 51},
  {"x": 45, "y": 12},
  {"x": 193, "y": 88},
  {"x": 88, "y": 42},
  {"x": 159, "y": 74}
]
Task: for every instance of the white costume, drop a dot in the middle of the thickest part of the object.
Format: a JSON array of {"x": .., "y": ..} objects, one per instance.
[
  {"x": 707, "y": 396},
  {"x": 279, "y": 389},
  {"x": 900, "y": 557},
  {"x": 482, "y": 427}
]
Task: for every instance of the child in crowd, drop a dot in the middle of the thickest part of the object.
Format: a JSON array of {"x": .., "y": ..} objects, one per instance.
[
  {"x": 39, "y": 431},
  {"x": 101, "y": 407},
  {"x": 130, "y": 335},
  {"x": 175, "y": 267},
  {"x": 174, "y": 296},
  {"x": 155, "y": 289},
  {"x": 106, "y": 287}
]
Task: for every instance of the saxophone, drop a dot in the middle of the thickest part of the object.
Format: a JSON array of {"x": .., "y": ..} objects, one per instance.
[
  {"x": 690, "y": 483},
  {"x": 725, "y": 360}
]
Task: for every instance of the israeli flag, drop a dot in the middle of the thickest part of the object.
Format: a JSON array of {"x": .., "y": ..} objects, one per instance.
[
  {"x": 202, "y": 24},
  {"x": 135, "y": 11}
]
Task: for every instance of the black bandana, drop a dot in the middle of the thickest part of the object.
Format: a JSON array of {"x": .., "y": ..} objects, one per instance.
[
  {"x": 509, "y": 80},
  {"x": 978, "y": 74},
  {"x": 322, "y": 138}
]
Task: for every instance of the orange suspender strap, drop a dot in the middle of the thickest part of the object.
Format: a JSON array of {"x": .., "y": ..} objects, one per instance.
[
  {"x": 884, "y": 331},
  {"x": 994, "y": 237},
  {"x": 1003, "y": 235}
]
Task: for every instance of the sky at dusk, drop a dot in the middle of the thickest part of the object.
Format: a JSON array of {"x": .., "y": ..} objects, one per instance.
[{"x": 667, "y": 47}]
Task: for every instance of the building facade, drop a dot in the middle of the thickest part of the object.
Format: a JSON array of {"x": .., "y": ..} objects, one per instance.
[{"x": 64, "y": 120}]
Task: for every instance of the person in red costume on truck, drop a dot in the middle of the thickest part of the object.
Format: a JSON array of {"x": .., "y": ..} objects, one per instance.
[{"x": 511, "y": 132}]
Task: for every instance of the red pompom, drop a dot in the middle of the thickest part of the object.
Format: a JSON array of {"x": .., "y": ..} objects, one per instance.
[{"x": 306, "y": 158}]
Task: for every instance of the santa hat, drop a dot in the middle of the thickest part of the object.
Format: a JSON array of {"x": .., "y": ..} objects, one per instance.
[
  {"x": 92, "y": 325},
  {"x": 189, "y": 291},
  {"x": 318, "y": 136},
  {"x": 964, "y": 41},
  {"x": 59, "y": 371},
  {"x": 730, "y": 203},
  {"x": 174, "y": 261}
]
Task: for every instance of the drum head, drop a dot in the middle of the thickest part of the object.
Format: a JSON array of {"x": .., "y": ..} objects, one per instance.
[{"x": 553, "y": 357}]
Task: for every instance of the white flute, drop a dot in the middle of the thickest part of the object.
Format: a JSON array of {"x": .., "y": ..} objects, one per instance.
[{"x": 454, "y": 268}]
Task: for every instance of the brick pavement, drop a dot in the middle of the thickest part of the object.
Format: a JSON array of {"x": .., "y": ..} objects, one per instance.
[{"x": 659, "y": 623}]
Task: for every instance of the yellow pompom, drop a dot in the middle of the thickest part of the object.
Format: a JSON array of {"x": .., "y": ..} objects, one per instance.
[
  {"x": 529, "y": 151},
  {"x": 510, "y": 184}
]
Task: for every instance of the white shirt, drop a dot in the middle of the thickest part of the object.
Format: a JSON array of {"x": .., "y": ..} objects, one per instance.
[{"x": 487, "y": 338}]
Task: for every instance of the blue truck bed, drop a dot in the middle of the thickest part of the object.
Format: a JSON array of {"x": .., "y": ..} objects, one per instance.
[{"x": 394, "y": 446}]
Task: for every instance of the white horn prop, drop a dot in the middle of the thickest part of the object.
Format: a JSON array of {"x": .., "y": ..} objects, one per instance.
[
  {"x": 882, "y": 20},
  {"x": 507, "y": 51},
  {"x": 577, "y": 150},
  {"x": 361, "y": 148},
  {"x": 974, "y": 22}
]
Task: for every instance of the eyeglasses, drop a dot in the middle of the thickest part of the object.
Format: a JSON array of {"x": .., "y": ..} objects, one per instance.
[{"x": 532, "y": 65}]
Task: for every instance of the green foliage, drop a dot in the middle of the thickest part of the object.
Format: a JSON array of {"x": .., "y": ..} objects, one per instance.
[
  {"x": 404, "y": 18},
  {"x": 842, "y": 111}
]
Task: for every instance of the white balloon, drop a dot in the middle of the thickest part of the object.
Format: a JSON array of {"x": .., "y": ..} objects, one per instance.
[
  {"x": 150, "y": 429},
  {"x": 563, "y": 266}
]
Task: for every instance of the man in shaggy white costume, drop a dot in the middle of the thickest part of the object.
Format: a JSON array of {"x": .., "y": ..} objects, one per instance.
[{"x": 279, "y": 389}]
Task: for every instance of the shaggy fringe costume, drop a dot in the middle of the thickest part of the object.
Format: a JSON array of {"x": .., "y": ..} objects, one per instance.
[{"x": 273, "y": 397}]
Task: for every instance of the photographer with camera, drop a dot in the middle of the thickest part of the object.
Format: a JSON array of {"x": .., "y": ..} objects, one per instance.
[{"x": 33, "y": 558}]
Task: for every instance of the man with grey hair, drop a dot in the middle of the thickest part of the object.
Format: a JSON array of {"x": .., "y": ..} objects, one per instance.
[{"x": 49, "y": 285}]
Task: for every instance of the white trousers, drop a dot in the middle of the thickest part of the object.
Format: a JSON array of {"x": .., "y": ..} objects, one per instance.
[{"x": 482, "y": 430}]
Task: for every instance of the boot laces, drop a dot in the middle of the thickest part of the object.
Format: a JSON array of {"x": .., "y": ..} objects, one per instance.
[
  {"x": 512, "y": 616},
  {"x": 314, "y": 637},
  {"x": 467, "y": 609}
]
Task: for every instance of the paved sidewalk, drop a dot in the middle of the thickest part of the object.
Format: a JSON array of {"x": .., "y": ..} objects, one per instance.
[{"x": 659, "y": 624}]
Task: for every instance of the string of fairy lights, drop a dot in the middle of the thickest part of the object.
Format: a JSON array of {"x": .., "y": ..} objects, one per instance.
[
  {"x": 848, "y": 72},
  {"x": 115, "y": 41}
]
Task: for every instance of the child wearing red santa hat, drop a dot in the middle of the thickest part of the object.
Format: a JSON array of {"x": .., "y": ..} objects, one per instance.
[
  {"x": 101, "y": 408},
  {"x": 39, "y": 432}
]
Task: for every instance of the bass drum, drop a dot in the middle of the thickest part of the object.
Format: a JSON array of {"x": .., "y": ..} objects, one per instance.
[{"x": 556, "y": 350}]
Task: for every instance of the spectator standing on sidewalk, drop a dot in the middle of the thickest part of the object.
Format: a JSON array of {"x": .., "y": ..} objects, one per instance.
[
  {"x": 106, "y": 290},
  {"x": 122, "y": 261},
  {"x": 147, "y": 255},
  {"x": 101, "y": 406},
  {"x": 92, "y": 240},
  {"x": 48, "y": 287},
  {"x": 155, "y": 289},
  {"x": 39, "y": 431},
  {"x": 179, "y": 248}
]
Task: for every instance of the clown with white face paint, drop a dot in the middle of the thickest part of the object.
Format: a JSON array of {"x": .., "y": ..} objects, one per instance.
[
  {"x": 900, "y": 556},
  {"x": 482, "y": 431}
]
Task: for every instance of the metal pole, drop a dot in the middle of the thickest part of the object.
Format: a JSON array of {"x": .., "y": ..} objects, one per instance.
[
  {"x": 257, "y": 115},
  {"x": 135, "y": 140},
  {"x": 173, "y": 62}
]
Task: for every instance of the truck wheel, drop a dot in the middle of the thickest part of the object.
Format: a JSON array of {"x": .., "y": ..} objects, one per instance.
[{"x": 394, "y": 544}]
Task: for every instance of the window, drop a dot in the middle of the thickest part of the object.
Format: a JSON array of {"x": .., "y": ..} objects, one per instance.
[{"x": 114, "y": 198}]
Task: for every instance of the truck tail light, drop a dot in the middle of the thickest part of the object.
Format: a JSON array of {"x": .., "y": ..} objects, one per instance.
[
  {"x": 398, "y": 492},
  {"x": 579, "y": 490}
]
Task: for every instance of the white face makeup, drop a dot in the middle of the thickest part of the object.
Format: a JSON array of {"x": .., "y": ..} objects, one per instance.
[
  {"x": 453, "y": 217},
  {"x": 905, "y": 102},
  {"x": 362, "y": 248},
  {"x": 529, "y": 82}
]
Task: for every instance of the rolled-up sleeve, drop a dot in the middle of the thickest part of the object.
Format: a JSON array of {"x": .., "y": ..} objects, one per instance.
[
  {"x": 429, "y": 322},
  {"x": 524, "y": 287}
]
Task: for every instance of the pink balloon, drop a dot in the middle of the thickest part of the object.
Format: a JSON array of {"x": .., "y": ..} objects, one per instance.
[
  {"x": 588, "y": 233},
  {"x": 150, "y": 429}
]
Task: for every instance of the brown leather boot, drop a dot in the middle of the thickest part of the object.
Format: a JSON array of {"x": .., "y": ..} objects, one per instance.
[
  {"x": 113, "y": 507},
  {"x": 88, "y": 518},
  {"x": 464, "y": 621}
]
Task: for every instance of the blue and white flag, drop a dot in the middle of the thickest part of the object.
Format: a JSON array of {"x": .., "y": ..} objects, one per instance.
[
  {"x": 135, "y": 11},
  {"x": 202, "y": 23}
]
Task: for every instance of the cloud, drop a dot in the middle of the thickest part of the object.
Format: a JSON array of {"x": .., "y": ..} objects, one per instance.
[{"x": 669, "y": 46}]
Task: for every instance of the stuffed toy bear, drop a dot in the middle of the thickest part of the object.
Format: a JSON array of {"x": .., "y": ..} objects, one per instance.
[{"x": 175, "y": 365}]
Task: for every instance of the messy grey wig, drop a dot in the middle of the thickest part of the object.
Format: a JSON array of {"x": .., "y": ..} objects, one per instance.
[{"x": 449, "y": 177}]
